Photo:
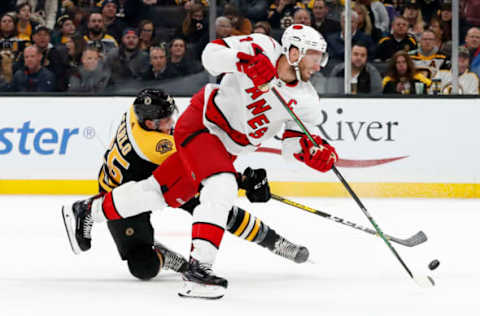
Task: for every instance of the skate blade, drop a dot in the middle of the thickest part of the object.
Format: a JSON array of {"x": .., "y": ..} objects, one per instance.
[
  {"x": 69, "y": 221},
  {"x": 201, "y": 291}
]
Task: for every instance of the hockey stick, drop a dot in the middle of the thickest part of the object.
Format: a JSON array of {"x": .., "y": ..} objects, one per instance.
[
  {"x": 413, "y": 241},
  {"x": 424, "y": 281}
]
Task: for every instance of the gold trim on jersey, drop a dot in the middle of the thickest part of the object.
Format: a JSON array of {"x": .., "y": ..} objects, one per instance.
[
  {"x": 419, "y": 56},
  {"x": 417, "y": 76},
  {"x": 423, "y": 79},
  {"x": 106, "y": 38},
  {"x": 152, "y": 146},
  {"x": 383, "y": 39}
]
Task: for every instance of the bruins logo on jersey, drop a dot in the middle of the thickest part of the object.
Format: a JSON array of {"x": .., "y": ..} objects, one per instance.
[{"x": 164, "y": 145}]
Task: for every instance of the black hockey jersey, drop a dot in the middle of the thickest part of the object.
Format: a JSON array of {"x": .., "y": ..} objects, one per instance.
[{"x": 134, "y": 153}]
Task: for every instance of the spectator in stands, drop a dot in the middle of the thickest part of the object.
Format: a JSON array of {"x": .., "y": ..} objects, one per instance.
[
  {"x": 365, "y": 77},
  {"x": 240, "y": 24},
  {"x": 398, "y": 40},
  {"x": 65, "y": 29},
  {"x": 114, "y": 25},
  {"x": 75, "y": 47},
  {"x": 280, "y": 13},
  {"x": 183, "y": 63},
  {"x": 336, "y": 42},
  {"x": 195, "y": 26},
  {"x": 413, "y": 15},
  {"x": 262, "y": 27},
  {"x": 55, "y": 59},
  {"x": 378, "y": 15},
  {"x": 8, "y": 35},
  {"x": 403, "y": 78},
  {"x": 159, "y": 68},
  {"x": 443, "y": 38},
  {"x": 25, "y": 24},
  {"x": 472, "y": 43},
  {"x": 6, "y": 69},
  {"x": 302, "y": 16},
  {"x": 323, "y": 24},
  {"x": 365, "y": 23},
  {"x": 34, "y": 77},
  {"x": 127, "y": 61},
  {"x": 445, "y": 13},
  {"x": 426, "y": 57},
  {"x": 91, "y": 76},
  {"x": 223, "y": 27},
  {"x": 96, "y": 34},
  {"x": 468, "y": 81},
  {"x": 147, "y": 34}
]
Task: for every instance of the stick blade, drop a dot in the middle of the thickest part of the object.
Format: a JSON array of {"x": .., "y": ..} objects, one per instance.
[
  {"x": 415, "y": 240},
  {"x": 424, "y": 281}
]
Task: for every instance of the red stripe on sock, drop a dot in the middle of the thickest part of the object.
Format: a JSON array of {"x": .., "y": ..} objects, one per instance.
[
  {"x": 109, "y": 208},
  {"x": 209, "y": 232}
]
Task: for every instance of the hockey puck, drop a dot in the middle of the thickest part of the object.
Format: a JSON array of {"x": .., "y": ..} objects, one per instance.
[{"x": 434, "y": 264}]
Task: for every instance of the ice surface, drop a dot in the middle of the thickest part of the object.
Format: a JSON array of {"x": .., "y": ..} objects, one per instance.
[{"x": 354, "y": 272}]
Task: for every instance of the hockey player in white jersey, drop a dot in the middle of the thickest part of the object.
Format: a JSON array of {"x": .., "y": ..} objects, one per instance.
[
  {"x": 235, "y": 117},
  {"x": 222, "y": 122}
]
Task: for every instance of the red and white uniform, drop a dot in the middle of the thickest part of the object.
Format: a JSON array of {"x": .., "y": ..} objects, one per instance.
[
  {"x": 222, "y": 122},
  {"x": 238, "y": 113},
  {"x": 229, "y": 119}
]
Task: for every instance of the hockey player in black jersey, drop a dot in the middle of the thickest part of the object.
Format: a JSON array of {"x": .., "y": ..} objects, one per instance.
[{"x": 143, "y": 141}]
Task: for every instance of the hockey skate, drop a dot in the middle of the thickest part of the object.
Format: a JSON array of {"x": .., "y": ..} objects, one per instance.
[
  {"x": 200, "y": 282},
  {"x": 170, "y": 259},
  {"x": 290, "y": 251},
  {"x": 78, "y": 223}
]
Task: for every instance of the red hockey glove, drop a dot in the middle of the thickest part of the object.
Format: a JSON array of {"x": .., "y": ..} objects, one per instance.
[
  {"x": 320, "y": 158},
  {"x": 258, "y": 68}
]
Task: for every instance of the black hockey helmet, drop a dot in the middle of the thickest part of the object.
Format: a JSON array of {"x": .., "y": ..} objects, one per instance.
[{"x": 153, "y": 104}]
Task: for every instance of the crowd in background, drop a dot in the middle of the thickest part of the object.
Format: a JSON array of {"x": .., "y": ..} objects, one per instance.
[{"x": 95, "y": 46}]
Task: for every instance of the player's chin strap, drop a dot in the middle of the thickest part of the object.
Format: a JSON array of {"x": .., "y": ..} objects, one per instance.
[{"x": 295, "y": 65}]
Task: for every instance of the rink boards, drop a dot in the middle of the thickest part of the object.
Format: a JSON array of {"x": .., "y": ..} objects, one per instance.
[{"x": 388, "y": 147}]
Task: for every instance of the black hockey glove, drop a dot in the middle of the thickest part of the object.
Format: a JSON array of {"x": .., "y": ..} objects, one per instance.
[{"x": 255, "y": 184}]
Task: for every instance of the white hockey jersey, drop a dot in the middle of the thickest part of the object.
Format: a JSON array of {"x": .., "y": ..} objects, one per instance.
[
  {"x": 243, "y": 117},
  {"x": 468, "y": 82}
]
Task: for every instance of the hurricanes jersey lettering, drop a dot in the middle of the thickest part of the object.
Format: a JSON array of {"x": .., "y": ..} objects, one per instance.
[{"x": 240, "y": 115}]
